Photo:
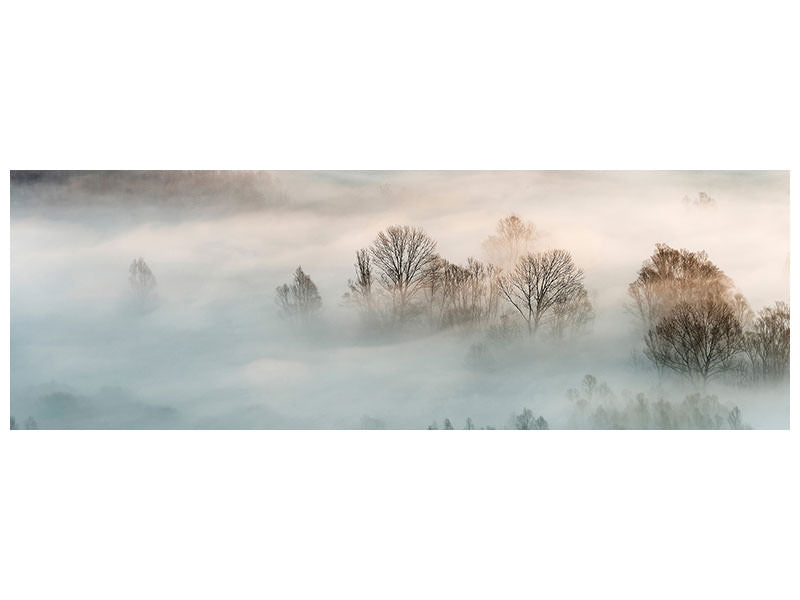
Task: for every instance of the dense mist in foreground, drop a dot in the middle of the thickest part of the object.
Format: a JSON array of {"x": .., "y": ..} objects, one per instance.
[{"x": 166, "y": 299}]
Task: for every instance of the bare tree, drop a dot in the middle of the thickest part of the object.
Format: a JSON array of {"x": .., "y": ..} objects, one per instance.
[
  {"x": 697, "y": 340},
  {"x": 742, "y": 311},
  {"x": 300, "y": 299},
  {"x": 361, "y": 288},
  {"x": 541, "y": 282},
  {"x": 766, "y": 343},
  {"x": 525, "y": 420},
  {"x": 143, "y": 282},
  {"x": 462, "y": 296},
  {"x": 513, "y": 238},
  {"x": 401, "y": 255},
  {"x": 572, "y": 315},
  {"x": 735, "y": 418}
]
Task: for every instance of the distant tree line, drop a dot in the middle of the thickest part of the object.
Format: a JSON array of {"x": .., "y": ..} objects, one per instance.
[
  {"x": 525, "y": 420},
  {"x": 30, "y": 423},
  {"x": 596, "y": 406}
]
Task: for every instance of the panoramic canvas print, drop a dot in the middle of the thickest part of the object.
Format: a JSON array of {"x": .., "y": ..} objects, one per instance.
[{"x": 441, "y": 300}]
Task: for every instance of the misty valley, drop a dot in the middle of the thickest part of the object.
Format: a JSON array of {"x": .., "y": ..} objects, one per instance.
[{"x": 399, "y": 300}]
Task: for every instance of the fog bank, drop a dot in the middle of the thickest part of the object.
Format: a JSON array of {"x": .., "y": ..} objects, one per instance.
[{"x": 212, "y": 350}]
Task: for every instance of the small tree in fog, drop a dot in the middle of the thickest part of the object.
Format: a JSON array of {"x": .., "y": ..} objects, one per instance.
[
  {"x": 766, "y": 343},
  {"x": 469, "y": 424},
  {"x": 526, "y": 420},
  {"x": 735, "y": 418},
  {"x": 30, "y": 423},
  {"x": 697, "y": 340},
  {"x": 542, "y": 284},
  {"x": 742, "y": 311},
  {"x": 540, "y": 423},
  {"x": 513, "y": 238},
  {"x": 143, "y": 282},
  {"x": 572, "y": 315},
  {"x": 300, "y": 299},
  {"x": 13, "y": 422},
  {"x": 361, "y": 287},
  {"x": 448, "y": 424}
]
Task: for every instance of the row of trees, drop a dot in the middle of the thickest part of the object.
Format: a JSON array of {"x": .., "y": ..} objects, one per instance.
[
  {"x": 696, "y": 324},
  {"x": 400, "y": 278},
  {"x": 30, "y": 423},
  {"x": 693, "y": 320},
  {"x": 524, "y": 421},
  {"x": 595, "y": 406}
]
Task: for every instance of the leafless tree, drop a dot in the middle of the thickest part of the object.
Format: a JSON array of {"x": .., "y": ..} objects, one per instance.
[
  {"x": 299, "y": 300},
  {"x": 672, "y": 276},
  {"x": 735, "y": 418},
  {"x": 703, "y": 201},
  {"x": 361, "y": 288},
  {"x": 698, "y": 340},
  {"x": 541, "y": 282},
  {"x": 525, "y": 420},
  {"x": 462, "y": 296},
  {"x": 141, "y": 278},
  {"x": 401, "y": 255},
  {"x": 766, "y": 343},
  {"x": 513, "y": 238},
  {"x": 572, "y": 315},
  {"x": 742, "y": 311}
]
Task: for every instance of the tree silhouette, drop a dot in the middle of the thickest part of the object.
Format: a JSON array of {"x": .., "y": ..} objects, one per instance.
[
  {"x": 143, "y": 282},
  {"x": 766, "y": 343},
  {"x": 300, "y": 299},
  {"x": 542, "y": 284},
  {"x": 401, "y": 255},
  {"x": 513, "y": 238},
  {"x": 697, "y": 340},
  {"x": 525, "y": 420},
  {"x": 461, "y": 296}
]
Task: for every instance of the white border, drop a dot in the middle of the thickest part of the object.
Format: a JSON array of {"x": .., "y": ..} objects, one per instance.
[{"x": 574, "y": 85}]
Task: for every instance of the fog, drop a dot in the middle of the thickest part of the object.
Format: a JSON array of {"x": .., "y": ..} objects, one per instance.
[{"x": 212, "y": 350}]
